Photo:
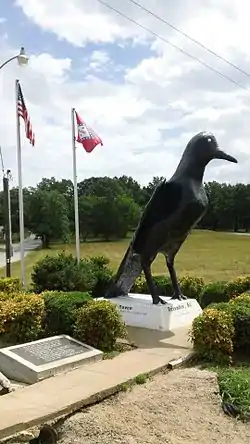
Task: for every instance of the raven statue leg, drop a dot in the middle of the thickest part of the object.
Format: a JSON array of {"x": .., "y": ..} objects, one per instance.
[
  {"x": 150, "y": 283},
  {"x": 177, "y": 290}
]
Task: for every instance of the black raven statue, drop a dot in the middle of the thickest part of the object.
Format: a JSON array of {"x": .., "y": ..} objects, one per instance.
[{"x": 174, "y": 208}]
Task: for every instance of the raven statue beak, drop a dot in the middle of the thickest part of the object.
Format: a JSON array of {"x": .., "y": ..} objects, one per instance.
[{"x": 221, "y": 155}]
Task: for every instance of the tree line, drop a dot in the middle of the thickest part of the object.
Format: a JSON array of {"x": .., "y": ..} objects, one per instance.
[{"x": 110, "y": 208}]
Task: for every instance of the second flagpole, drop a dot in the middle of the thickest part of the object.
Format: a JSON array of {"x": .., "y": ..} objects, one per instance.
[{"x": 77, "y": 231}]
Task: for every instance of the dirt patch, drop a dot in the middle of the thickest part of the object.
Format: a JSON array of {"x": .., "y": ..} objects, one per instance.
[{"x": 180, "y": 407}]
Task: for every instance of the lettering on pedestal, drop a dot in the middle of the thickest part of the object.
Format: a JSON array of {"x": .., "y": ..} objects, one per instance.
[
  {"x": 180, "y": 307},
  {"x": 169, "y": 306},
  {"x": 130, "y": 309},
  {"x": 125, "y": 307}
]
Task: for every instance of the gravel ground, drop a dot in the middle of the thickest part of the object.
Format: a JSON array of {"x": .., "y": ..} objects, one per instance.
[{"x": 181, "y": 407}]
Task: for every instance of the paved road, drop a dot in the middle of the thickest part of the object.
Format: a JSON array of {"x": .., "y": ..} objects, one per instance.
[
  {"x": 242, "y": 234},
  {"x": 30, "y": 244}
]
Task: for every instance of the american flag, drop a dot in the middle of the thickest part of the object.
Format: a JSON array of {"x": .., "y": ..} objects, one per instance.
[{"x": 22, "y": 112}]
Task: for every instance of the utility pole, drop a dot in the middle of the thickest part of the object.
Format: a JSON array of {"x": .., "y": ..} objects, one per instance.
[
  {"x": 7, "y": 217},
  {"x": 7, "y": 224}
]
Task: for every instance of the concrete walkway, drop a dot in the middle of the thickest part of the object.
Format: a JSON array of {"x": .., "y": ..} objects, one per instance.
[{"x": 68, "y": 392}]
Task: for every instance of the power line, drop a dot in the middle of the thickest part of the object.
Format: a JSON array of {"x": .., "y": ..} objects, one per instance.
[
  {"x": 206, "y": 65},
  {"x": 153, "y": 14}
]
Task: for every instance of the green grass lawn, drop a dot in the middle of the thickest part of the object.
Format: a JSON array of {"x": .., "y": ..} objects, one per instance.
[
  {"x": 234, "y": 384},
  {"x": 235, "y": 387},
  {"x": 213, "y": 256}
]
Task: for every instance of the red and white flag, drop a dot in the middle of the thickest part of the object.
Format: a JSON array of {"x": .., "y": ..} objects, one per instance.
[
  {"x": 22, "y": 112},
  {"x": 86, "y": 135}
]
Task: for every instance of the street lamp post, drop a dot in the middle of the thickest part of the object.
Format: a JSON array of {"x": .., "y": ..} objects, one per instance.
[{"x": 22, "y": 59}]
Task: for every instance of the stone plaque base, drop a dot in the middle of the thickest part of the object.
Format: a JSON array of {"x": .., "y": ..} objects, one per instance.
[
  {"x": 138, "y": 311},
  {"x": 37, "y": 360}
]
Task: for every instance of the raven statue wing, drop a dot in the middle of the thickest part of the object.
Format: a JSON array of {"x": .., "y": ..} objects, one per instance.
[{"x": 165, "y": 201}]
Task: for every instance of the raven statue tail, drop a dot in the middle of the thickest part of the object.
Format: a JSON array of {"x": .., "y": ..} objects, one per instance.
[{"x": 128, "y": 271}]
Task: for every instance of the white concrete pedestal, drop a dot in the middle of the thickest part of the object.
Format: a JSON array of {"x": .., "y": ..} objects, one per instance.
[{"x": 138, "y": 311}]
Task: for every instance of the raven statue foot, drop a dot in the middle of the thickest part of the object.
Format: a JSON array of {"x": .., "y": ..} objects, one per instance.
[
  {"x": 157, "y": 300},
  {"x": 180, "y": 297}
]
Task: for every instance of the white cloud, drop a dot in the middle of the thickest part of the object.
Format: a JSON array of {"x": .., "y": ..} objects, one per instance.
[
  {"x": 77, "y": 21},
  {"x": 57, "y": 67},
  {"x": 146, "y": 118},
  {"x": 98, "y": 59}
]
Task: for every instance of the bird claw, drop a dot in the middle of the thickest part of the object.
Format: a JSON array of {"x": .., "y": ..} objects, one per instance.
[
  {"x": 157, "y": 300},
  {"x": 162, "y": 301},
  {"x": 179, "y": 297}
]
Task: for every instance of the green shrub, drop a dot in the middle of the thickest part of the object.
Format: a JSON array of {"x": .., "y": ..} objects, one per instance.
[
  {"x": 243, "y": 297},
  {"x": 99, "y": 324},
  {"x": 239, "y": 310},
  {"x": 100, "y": 261},
  {"x": 162, "y": 283},
  {"x": 4, "y": 296},
  {"x": 103, "y": 275},
  {"x": 213, "y": 293},
  {"x": 62, "y": 273},
  {"x": 138, "y": 287},
  {"x": 237, "y": 286},
  {"x": 212, "y": 335},
  {"x": 192, "y": 286},
  {"x": 219, "y": 306},
  {"x": 242, "y": 328},
  {"x": 21, "y": 318},
  {"x": 10, "y": 285},
  {"x": 60, "y": 310}
]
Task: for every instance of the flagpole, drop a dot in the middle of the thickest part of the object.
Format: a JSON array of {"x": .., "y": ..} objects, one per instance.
[
  {"x": 20, "y": 190},
  {"x": 77, "y": 231}
]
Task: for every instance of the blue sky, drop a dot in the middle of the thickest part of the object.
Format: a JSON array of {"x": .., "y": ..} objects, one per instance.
[
  {"x": 20, "y": 29},
  {"x": 144, "y": 98}
]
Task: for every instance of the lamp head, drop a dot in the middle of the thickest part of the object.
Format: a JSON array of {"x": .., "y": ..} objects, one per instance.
[{"x": 22, "y": 57}]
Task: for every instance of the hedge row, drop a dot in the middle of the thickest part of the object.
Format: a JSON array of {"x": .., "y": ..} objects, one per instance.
[
  {"x": 21, "y": 316},
  {"x": 94, "y": 275},
  {"x": 10, "y": 285},
  {"x": 222, "y": 329},
  {"x": 60, "y": 311},
  {"x": 63, "y": 273},
  {"x": 61, "y": 303},
  {"x": 25, "y": 317},
  {"x": 194, "y": 287}
]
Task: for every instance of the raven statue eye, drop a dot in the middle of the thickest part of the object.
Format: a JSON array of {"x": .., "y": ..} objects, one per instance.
[{"x": 209, "y": 139}]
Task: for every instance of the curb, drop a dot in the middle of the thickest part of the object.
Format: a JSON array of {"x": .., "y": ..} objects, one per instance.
[
  {"x": 26, "y": 431},
  {"x": 176, "y": 363}
]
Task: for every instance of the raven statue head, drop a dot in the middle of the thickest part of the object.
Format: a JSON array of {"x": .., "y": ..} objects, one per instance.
[{"x": 205, "y": 147}]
